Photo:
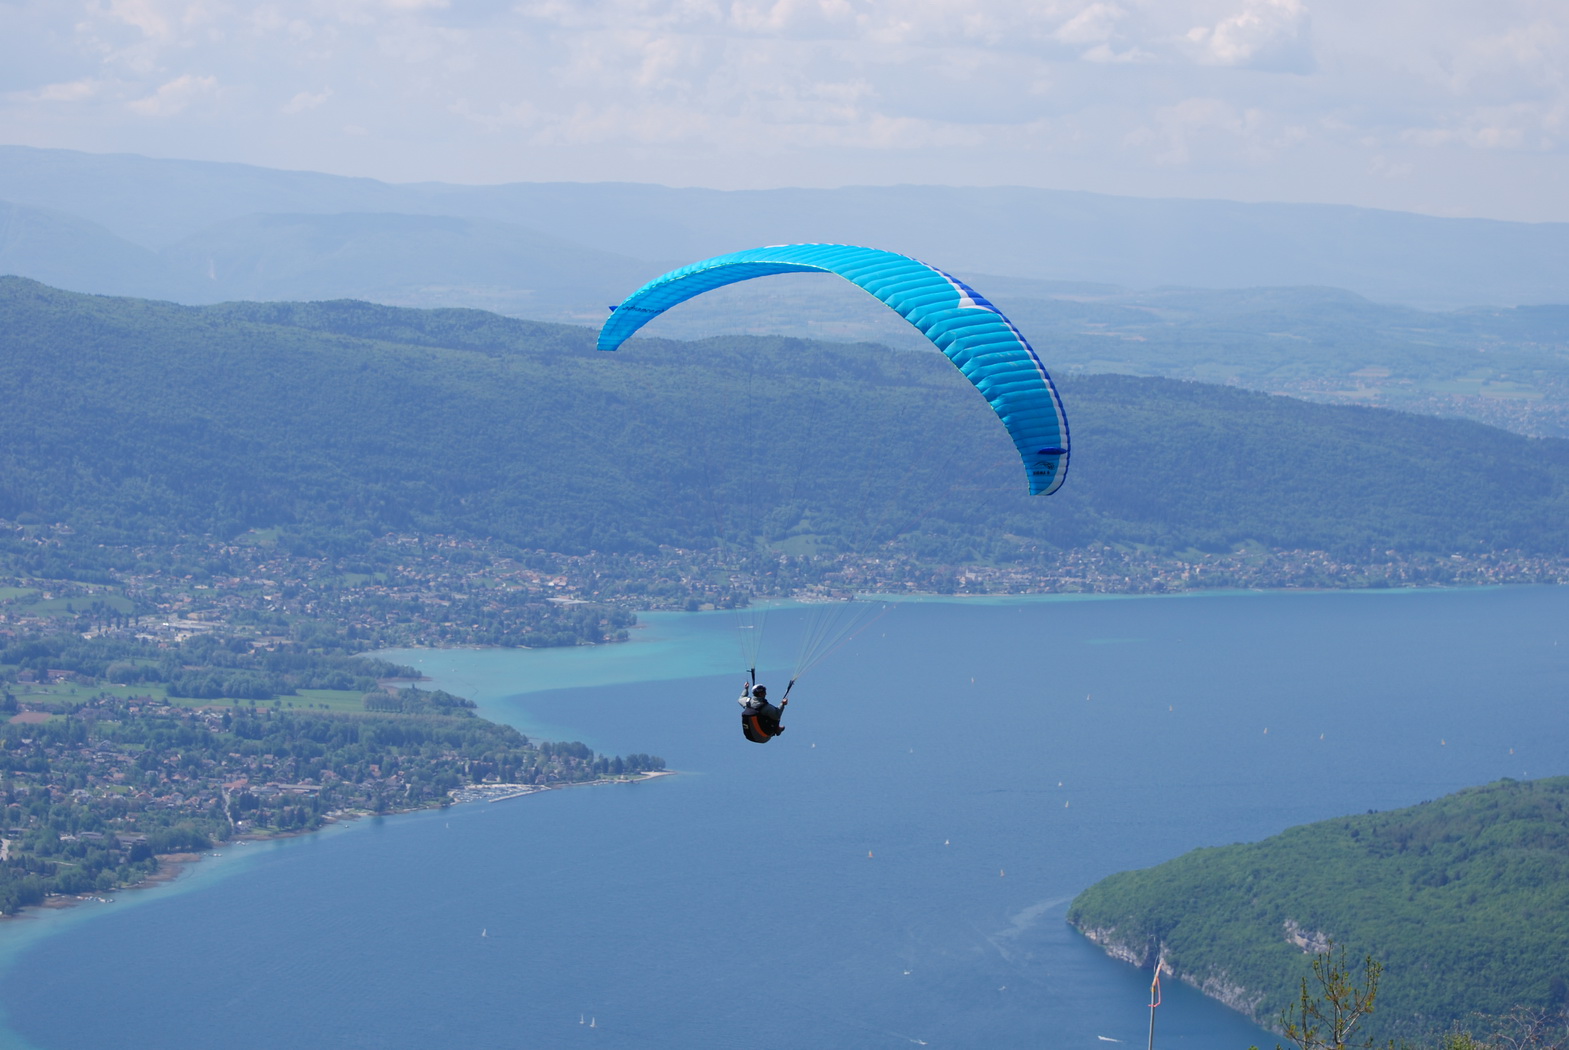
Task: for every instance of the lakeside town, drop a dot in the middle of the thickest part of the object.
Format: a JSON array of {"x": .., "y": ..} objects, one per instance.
[
  {"x": 168, "y": 699},
  {"x": 96, "y": 787},
  {"x": 403, "y": 590}
]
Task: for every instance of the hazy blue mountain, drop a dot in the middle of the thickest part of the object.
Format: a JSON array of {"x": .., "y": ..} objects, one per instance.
[
  {"x": 155, "y": 202},
  {"x": 1066, "y": 236},
  {"x": 71, "y": 252},
  {"x": 1041, "y": 234},
  {"x": 402, "y": 259},
  {"x": 1068, "y": 267}
]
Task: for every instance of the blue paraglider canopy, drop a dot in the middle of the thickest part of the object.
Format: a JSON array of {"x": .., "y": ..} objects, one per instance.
[{"x": 973, "y": 334}]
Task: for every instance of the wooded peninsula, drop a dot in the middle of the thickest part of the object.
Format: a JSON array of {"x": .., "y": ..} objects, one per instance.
[
  {"x": 1463, "y": 900},
  {"x": 115, "y": 753}
]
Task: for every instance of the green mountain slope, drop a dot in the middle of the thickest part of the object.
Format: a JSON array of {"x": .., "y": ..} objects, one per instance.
[
  {"x": 143, "y": 418},
  {"x": 1464, "y": 899}
]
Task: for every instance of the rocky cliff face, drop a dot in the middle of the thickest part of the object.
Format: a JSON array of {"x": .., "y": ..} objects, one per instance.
[
  {"x": 1145, "y": 951},
  {"x": 1311, "y": 942},
  {"x": 1218, "y": 985},
  {"x": 1118, "y": 947}
]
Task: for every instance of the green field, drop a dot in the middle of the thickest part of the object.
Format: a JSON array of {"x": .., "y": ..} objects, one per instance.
[
  {"x": 328, "y": 699},
  {"x": 70, "y": 606},
  {"x": 65, "y": 696}
]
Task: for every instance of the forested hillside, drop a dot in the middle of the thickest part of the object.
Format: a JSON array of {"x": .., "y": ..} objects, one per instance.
[
  {"x": 1465, "y": 900},
  {"x": 127, "y": 419}
]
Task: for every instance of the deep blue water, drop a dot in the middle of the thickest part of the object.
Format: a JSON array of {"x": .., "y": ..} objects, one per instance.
[{"x": 903, "y": 880}]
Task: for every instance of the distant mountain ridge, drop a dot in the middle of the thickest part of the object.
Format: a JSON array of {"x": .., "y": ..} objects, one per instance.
[
  {"x": 66, "y": 250},
  {"x": 1020, "y": 232},
  {"x": 402, "y": 259},
  {"x": 1293, "y": 304}
]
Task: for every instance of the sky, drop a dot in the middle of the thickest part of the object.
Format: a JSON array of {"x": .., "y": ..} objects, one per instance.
[{"x": 1447, "y": 107}]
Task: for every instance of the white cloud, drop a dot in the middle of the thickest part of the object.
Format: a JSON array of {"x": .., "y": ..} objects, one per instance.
[
  {"x": 174, "y": 96},
  {"x": 1273, "y": 98},
  {"x": 1264, "y": 34},
  {"x": 421, "y": 44},
  {"x": 792, "y": 17},
  {"x": 1522, "y": 126},
  {"x": 522, "y": 115},
  {"x": 146, "y": 15},
  {"x": 1096, "y": 24},
  {"x": 306, "y": 100},
  {"x": 1385, "y": 168},
  {"x": 71, "y": 91},
  {"x": 1214, "y": 126},
  {"x": 1526, "y": 56},
  {"x": 1106, "y": 53}
]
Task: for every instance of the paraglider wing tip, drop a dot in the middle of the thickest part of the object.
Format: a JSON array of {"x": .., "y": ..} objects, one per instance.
[{"x": 614, "y": 308}]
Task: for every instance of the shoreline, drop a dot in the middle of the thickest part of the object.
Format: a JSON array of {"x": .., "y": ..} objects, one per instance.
[
  {"x": 170, "y": 867},
  {"x": 173, "y": 865}
]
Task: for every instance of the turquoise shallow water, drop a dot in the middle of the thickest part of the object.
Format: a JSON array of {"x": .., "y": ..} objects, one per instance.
[{"x": 992, "y": 758}]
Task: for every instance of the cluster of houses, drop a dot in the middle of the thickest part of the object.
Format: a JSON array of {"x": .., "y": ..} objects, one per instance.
[{"x": 416, "y": 590}]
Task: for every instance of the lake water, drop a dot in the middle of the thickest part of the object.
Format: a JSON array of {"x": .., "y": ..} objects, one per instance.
[{"x": 893, "y": 871}]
